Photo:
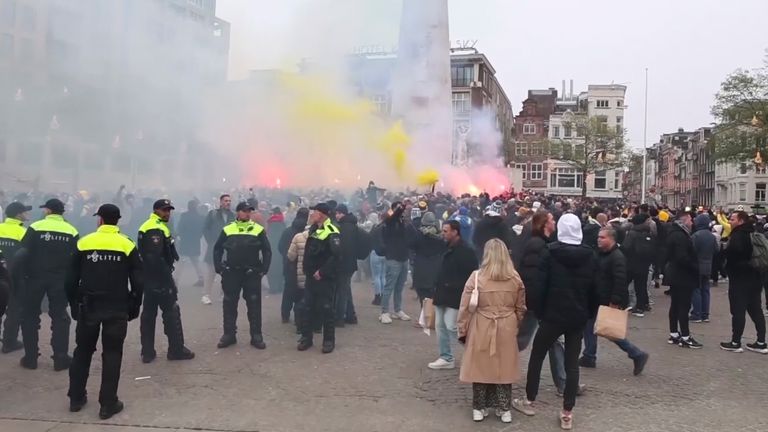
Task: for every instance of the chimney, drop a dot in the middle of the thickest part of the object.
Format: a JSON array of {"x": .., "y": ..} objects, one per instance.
[
  {"x": 571, "y": 93},
  {"x": 564, "y": 90}
]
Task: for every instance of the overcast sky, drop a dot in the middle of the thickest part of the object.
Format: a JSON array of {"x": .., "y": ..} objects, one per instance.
[{"x": 689, "y": 46}]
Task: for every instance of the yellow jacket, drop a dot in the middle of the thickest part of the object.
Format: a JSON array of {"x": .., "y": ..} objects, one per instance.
[{"x": 722, "y": 220}]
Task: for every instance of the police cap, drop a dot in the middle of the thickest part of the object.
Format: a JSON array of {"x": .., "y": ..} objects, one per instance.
[
  {"x": 108, "y": 212},
  {"x": 54, "y": 205},
  {"x": 16, "y": 208},
  {"x": 163, "y": 204},
  {"x": 244, "y": 206},
  {"x": 323, "y": 208}
]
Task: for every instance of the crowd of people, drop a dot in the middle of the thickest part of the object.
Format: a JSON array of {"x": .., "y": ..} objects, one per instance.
[{"x": 501, "y": 273}]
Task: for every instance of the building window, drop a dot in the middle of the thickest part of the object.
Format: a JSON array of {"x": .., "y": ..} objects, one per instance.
[
  {"x": 601, "y": 182},
  {"x": 529, "y": 129},
  {"x": 461, "y": 103},
  {"x": 743, "y": 169},
  {"x": 462, "y": 76},
  {"x": 760, "y": 192},
  {"x": 602, "y": 103},
  {"x": 742, "y": 192},
  {"x": 566, "y": 178},
  {"x": 555, "y": 131},
  {"x": 567, "y": 131},
  {"x": 537, "y": 171},
  {"x": 615, "y": 181},
  {"x": 536, "y": 149},
  {"x": 521, "y": 149},
  {"x": 524, "y": 169},
  {"x": 619, "y": 103},
  {"x": 381, "y": 102}
]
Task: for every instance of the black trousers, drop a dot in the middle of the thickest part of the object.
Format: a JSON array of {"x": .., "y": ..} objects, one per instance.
[
  {"x": 345, "y": 306},
  {"x": 113, "y": 331},
  {"x": 745, "y": 300},
  {"x": 679, "y": 308},
  {"x": 32, "y": 297},
  {"x": 247, "y": 282},
  {"x": 12, "y": 323},
  {"x": 318, "y": 308},
  {"x": 640, "y": 278},
  {"x": 167, "y": 303},
  {"x": 545, "y": 337},
  {"x": 292, "y": 296}
]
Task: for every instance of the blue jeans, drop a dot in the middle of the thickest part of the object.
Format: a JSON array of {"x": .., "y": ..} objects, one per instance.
[
  {"x": 378, "y": 273},
  {"x": 397, "y": 272},
  {"x": 700, "y": 299},
  {"x": 445, "y": 325},
  {"x": 525, "y": 333},
  {"x": 590, "y": 344}
]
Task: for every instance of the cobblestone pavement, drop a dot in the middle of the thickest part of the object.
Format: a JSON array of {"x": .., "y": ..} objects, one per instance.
[{"x": 377, "y": 380}]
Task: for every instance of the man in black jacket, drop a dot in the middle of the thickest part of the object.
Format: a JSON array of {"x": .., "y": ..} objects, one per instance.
[
  {"x": 683, "y": 273},
  {"x": 640, "y": 250},
  {"x": 214, "y": 223},
  {"x": 292, "y": 294},
  {"x": 745, "y": 285},
  {"x": 491, "y": 226},
  {"x": 459, "y": 261},
  {"x": 394, "y": 236},
  {"x": 611, "y": 291},
  {"x": 350, "y": 238}
]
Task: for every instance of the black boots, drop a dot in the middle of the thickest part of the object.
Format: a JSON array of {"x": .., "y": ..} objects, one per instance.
[
  {"x": 77, "y": 405},
  {"x": 304, "y": 344},
  {"x": 108, "y": 411},
  {"x": 328, "y": 346},
  {"x": 11, "y": 346},
  {"x": 61, "y": 362},
  {"x": 183, "y": 354},
  {"x": 227, "y": 340},
  {"x": 257, "y": 341},
  {"x": 28, "y": 362}
]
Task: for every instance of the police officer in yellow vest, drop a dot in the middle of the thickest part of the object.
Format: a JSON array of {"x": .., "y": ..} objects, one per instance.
[
  {"x": 158, "y": 255},
  {"x": 236, "y": 258},
  {"x": 12, "y": 231},
  {"x": 322, "y": 266},
  {"x": 102, "y": 303},
  {"x": 47, "y": 249}
]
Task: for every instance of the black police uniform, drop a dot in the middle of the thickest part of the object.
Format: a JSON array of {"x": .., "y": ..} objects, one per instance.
[
  {"x": 158, "y": 256},
  {"x": 5, "y": 285},
  {"x": 321, "y": 254},
  {"x": 101, "y": 302},
  {"x": 48, "y": 248},
  {"x": 12, "y": 231},
  {"x": 242, "y": 270}
]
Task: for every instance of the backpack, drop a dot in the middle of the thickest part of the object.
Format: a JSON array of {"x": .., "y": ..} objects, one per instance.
[
  {"x": 759, "y": 259},
  {"x": 643, "y": 247}
]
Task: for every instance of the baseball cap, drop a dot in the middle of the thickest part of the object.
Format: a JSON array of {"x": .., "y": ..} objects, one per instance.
[
  {"x": 54, "y": 205},
  {"x": 163, "y": 204},
  {"x": 16, "y": 208},
  {"x": 108, "y": 211},
  {"x": 323, "y": 208},
  {"x": 342, "y": 208},
  {"x": 244, "y": 206}
]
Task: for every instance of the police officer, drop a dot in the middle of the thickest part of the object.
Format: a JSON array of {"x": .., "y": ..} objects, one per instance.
[
  {"x": 12, "y": 231},
  {"x": 158, "y": 255},
  {"x": 101, "y": 302},
  {"x": 321, "y": 265},
  {"x": 5, "y": 285},
  {"x": 242, "y": 270},
  {"x": 48, "y": 248}
]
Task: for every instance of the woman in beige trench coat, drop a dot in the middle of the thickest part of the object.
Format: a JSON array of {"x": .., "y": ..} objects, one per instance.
[{"x": 490, "y": 359}]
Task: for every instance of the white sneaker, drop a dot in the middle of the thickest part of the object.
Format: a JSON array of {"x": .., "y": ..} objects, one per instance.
[
  {"x": 441, "y": 363},
  {"x": 206, "y": 299},
  {"x": 385, "y": 318},
  {"x": 402, "y": 316},
  {"x": 506, "y": 417},
  {"x": 479, "y": 415},
  {"x": 524, "y": 406}
]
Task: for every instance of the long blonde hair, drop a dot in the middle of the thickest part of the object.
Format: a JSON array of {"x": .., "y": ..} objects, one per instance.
[{"x": 497, "y": 265}]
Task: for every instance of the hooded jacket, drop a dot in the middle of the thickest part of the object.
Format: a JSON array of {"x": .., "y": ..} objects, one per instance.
[
  {"x": 682, "y": 268},
  {"x": 639, "y": 244},
  {"x": 529, "y": 269},
  {"x": 289, "y": 267},
  {"x": 428, "y": 247},
  {"x": 737, "y": 256},
  {"x": 489, "y": 227},
  {"x": 567, "y": 278},
  {"x": 350, "y": 238},
  {"x": 704, "y": 243},
  {"x": 612, "y": 278}
]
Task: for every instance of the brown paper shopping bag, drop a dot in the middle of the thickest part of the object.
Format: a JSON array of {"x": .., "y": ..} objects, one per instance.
[{"x": 611, "y": 323}]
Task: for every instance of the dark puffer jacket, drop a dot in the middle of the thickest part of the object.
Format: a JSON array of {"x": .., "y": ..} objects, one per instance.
[
  {"x": 567, "y": 277},
  {"x": 704, "y": 243},
  {"x": 489, "y": 227},
  {"x": 428, "y": 248},
  {"x": 612, "y": 278},
  {"x": 529, "y": 269},
  {"x": 737, "y": 256},
  {"x": 682, "y": 267},
  {"x": 350, "y": 238}
]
